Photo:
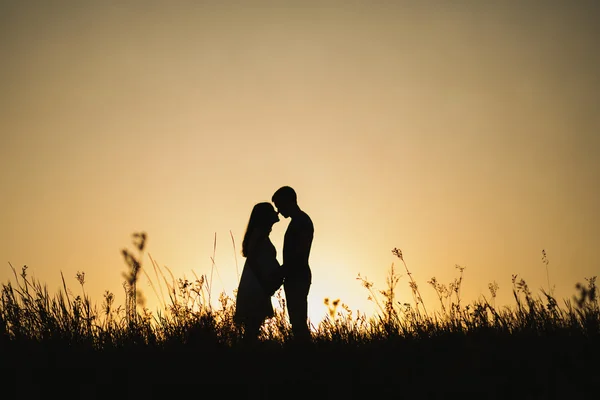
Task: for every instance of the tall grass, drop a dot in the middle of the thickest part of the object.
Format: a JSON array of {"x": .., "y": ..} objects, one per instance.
[{"x": 30, "y": 314}]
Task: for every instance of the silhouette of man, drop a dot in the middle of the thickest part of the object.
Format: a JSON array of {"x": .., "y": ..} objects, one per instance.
[{"x": 296, "y": 250}]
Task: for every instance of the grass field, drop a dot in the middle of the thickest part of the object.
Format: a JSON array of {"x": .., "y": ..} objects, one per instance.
[{"x": 536, "y": 348}]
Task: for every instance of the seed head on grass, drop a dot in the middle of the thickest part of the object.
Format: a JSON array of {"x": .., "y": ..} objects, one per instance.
[
  {"x": 493, "y": 288},
  {"x": 412, "y": 284},
  {"x": 331, "y": 306}
]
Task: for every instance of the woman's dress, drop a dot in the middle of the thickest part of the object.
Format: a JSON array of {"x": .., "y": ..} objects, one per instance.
[{"x": 253, "y": 300}]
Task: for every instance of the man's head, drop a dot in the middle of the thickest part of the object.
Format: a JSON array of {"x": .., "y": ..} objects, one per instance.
[{"x": 285, "y": 200}]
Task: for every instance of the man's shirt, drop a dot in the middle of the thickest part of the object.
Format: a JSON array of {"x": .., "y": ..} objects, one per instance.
[{"x": 297, "y": 243}]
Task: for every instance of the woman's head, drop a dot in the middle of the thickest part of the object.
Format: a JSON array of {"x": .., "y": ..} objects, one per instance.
[
  {"x": 263, "y": 215},
  {"x": 261, "y": 221}
]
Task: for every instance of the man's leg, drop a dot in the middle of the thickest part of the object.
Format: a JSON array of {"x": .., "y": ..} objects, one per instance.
[{"x": 296, "y": 296}]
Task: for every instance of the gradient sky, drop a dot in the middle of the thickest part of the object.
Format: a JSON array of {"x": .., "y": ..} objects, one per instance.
[{"x": 460, "y": 132}]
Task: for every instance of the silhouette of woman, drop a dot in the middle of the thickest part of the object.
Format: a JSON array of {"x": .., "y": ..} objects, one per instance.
[{"x": 261, "y": 275}]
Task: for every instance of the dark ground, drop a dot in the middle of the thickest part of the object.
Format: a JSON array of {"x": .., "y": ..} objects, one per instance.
[{"x": 463, "y": 367}]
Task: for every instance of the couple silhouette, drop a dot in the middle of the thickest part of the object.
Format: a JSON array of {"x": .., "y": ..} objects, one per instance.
[{"x": 262, "y": 275}]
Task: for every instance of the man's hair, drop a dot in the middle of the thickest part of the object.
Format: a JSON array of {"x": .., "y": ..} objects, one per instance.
[{"x": 284, "y": 194}]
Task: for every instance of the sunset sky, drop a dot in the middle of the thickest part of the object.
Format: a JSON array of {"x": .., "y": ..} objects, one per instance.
[{"x": 460, "y": 132}]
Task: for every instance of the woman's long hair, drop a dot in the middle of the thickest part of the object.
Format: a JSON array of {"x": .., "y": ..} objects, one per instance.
[{"x": 262, "y": 218}]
